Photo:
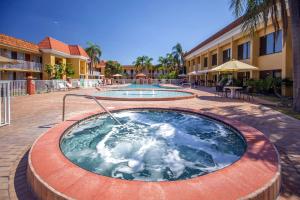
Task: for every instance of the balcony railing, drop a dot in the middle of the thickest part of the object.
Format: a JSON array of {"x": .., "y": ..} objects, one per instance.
[{"x": 23, "y": 65}]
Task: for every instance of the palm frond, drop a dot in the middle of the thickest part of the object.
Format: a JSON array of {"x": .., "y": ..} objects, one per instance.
[{"x": 255, "y": 12}]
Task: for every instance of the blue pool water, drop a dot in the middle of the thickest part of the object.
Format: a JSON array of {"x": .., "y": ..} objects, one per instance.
[
  {"x": 140, "y": 86},
  {"x": 152, "y": 145},
  {"x": 147, "y": 86},
  {"x": 142, "y": 94}
]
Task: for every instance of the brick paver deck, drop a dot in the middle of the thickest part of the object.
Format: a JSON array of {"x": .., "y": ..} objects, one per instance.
[{"x": 33, "y": 115}]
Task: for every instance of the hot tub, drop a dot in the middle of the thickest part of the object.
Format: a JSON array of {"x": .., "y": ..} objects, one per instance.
[{"x": 158, "y": 153}]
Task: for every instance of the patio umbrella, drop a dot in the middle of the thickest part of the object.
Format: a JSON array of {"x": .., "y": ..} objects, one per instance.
[
  {"x": 140, "y": 75},
  {"x": 233, "y": 66},
  {"x": 117, "y": 75},
  {"x": 182, "y": 75},
  {"x": 4, "y": 60},
  {"x": 192, "y": 73}
]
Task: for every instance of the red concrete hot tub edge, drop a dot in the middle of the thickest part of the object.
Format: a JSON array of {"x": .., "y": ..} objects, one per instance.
[{"x": 256, "y": 175}]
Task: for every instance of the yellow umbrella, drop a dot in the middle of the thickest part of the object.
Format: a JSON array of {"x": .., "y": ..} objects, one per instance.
[
  {"x": 4, "y": 60},
  {"x": 234, "y": 65},
  {"x": 117, "y": 75}
]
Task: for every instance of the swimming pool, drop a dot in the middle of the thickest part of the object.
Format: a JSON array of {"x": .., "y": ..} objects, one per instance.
[
  {"x": 152, "y": 145},
  {"x": 149, "y": 86},
  {"x": 146, "y": 94}
]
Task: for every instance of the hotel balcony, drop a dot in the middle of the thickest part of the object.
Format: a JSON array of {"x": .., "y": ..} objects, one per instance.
[{"x": 23, "y": 66}]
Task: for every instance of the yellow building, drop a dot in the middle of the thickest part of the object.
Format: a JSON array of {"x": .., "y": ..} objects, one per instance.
[
  {"x": 30, "y": 59},
  {"x": 269, "y": 54},
  {"x": 26, "y": 55},
  {"x": 55, "y": 52}
]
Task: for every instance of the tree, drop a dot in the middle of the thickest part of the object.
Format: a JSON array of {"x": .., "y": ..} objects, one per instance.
[
  {"x": 254, "y": 11},
  {"x": 149, "y": 65},
  {"x": 171, "y": 62},
  {"x": 142, "y": 62},
  {"x": 94, "y": 52},
  {"x": 112, "y": 67},
  {"x": 57, "y": 71},
  {"x": 162, "y": 62},
  {"x": 178, "y": 55}
]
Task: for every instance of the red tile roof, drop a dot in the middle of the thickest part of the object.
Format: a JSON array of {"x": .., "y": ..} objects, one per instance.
[
  {"x": 224, "y": 30},
  {"x": 77, "y": 50},
  {"x": 51, "y": 43},
  {"x": 18, "y": 43}
]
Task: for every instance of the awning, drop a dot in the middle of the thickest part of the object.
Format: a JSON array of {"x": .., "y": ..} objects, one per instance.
[{"x": 195, "y": 73}]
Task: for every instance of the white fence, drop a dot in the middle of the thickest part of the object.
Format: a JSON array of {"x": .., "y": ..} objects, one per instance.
[
  {"x": 147, "y": 81},
  {"x": 42, "y": 86},
  {"x": 4, "y": 103},
  {"x": 18, "y": 87}
]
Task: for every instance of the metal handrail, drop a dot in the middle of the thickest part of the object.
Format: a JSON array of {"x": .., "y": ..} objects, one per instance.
[{"x": 87, "y": 96}]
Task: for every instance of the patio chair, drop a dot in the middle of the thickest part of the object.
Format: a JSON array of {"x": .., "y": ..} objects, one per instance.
[
  {"x": 70, "y": 87},
  {"x": 61, "y": 86}
]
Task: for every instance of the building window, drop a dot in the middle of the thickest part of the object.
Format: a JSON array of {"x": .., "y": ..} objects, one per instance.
[
  {"x": 205, "y": 62},
  {"x": 214, "y": 59},
  {"x": 270, "y": 44},
  {"x": 273, "y": 73},
  {"x": 198, "y": 60},
  {"x": 14, "y": 55},
  {"x": 226, "y": 55},
  {"x": 244, "y": 51}
]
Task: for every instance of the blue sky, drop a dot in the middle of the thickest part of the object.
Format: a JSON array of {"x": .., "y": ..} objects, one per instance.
[{"x": 124, "y": 29}]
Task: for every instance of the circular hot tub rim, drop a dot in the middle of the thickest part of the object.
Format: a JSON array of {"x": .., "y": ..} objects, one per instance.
[
  {"x": 236, "y": 131},
  {"x": 190, "y": 96},
  {"x": 273, "y": 183}
]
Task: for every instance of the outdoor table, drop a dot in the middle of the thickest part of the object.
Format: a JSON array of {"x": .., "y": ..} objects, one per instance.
[{"x": 232, "y": 90}]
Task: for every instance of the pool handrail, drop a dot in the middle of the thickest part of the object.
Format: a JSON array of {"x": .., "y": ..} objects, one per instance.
[{"x": 90, "y": 97}]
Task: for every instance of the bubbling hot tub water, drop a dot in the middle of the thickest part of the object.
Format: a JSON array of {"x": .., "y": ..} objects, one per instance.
[{"x": 152, "y": 145}]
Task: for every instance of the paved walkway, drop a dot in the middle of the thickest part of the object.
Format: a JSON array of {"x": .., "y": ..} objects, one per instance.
[{"x": 33, "y": 115}]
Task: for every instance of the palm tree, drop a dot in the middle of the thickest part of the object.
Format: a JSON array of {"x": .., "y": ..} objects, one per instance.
[
  {"x": 178, "y": 54},
  {"x": 148, "y": 65},
  {"x": 171, "y": 62},
  {"x": 142, "y": 62},
  {"x": 253, "y": 12},
  {"x": 94, "y": 52},
  {"x": 162, "y": 62}
]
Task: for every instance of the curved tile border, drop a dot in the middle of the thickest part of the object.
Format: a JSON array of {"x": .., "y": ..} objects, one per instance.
[
  {"x": 192, "y": 95},
  {"x": 255, "y": 176}
]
